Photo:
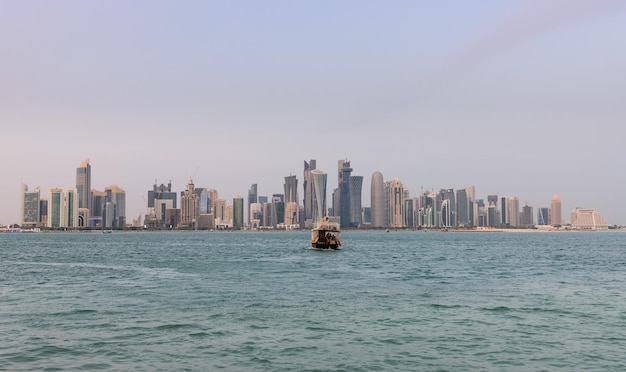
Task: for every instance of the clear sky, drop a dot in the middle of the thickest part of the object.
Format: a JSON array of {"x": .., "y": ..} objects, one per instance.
[{"x": 520, "y": 98}]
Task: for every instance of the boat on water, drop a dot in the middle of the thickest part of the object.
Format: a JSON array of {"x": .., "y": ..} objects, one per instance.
[{"x": 326, "y": 236}]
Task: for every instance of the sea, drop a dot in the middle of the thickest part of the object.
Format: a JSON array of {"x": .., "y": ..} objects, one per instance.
[{"x": 263, "y": 301}]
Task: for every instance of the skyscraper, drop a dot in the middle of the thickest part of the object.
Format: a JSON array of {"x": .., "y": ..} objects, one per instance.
[
  {"x": 291, "y": 189},
  {"x": 278, "y": 209},
  {"x": 116, "y": 196},
  {"x": 219, "y": 210},
  {"x": 83, "y": 185},
  {"x": 205, "y": 200},
  {"x": 356, "y": 213},
  {"x": 462, "y": 208},
  {"x": 213, "y": 196},
  {"x": 526, "y": 217},
  {"x": 471, "y": 192},
  {"x": 237, "y": 212},
  {"x": 378, "y": 200},
  {"x": 252, "y": 198},
  {"x": 396, "y": 203},
  {"x": 513, "y": 212},
  {"x": 344, "y": 193},
  {"x": 555, "y": 211},
  {"x": 291, "y": 200},
  {"x": 449, "y": 218},
  {"x": 543, "y": 216},
  {"x": 411, "y": 208},
  {"x": 62, "y": 208},
  {"x": 428, "y": 212},
  {"x": 98, "y": 203},
  {"x": 318, "y": 193},
  {"x": 190, "y": 207},
  {"x": 160, "y": 199},
  {"x": 30, "y": 207},
  {"x": 308, "y": 190}
]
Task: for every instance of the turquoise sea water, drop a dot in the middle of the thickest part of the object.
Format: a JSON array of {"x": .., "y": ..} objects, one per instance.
[{"x": 246, "y": 301}]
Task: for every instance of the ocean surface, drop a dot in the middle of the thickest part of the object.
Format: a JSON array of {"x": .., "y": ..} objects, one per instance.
[{"x": 262, "y": 301}]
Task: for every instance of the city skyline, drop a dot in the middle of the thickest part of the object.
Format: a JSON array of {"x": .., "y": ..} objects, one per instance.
[
  {"x": 519, "y": 98},
  {"x": 392, "y": 210}
]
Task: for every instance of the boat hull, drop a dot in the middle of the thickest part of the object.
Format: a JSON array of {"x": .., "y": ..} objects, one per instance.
[{"x": 325, "y": 247}]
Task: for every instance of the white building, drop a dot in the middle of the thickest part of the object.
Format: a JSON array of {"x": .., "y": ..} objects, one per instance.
[
  {"x": 588, "y": 219},
  {"x": 62, "y": 208}
]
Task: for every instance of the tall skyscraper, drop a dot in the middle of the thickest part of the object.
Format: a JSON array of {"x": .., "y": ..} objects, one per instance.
[
  {"x": 396, "y": 203},
  {"x": 526, "y": 217},
  {"x": 160, "y": 199},
  {"x": 30, "y": 207},
  {"x": 492, "y": 216},
  {"x": 449, "y": 218},
  {"x": 378, "y": 200},
  {"x": 462, "y": 208},
  {"x": 335, "y": 206},
  {"x": 291, "y": 200},
  {"x": 428, "y": 211},
  {"x": 257, "y": 215},
  {"x": 98, "y": 203},
  {"x": 513, "y": 213},
  {"x": 344, "y": 193},
  {"x": 471, "y": 192},
  {"x": 219, "y": 209},
  {"x": 411, "y": 212},
  {"x": 543, "y": 216},
  {"x": 190, "y": 207},
  {"x": 62, "y": 208},
  {"x": 213, "y": 196},
  {"x": 504, "y": 211},
  {"x": 291, "y": 189},
  {"x": 116, "y": 196},
  {"x": 308, "y": 190},
  {"x": 278, "y": 209},
  {"x": 83, "y": 185},
  {"x": 555, "y": 211},
  {"x": 237, "y": 212},
  {"x": 252, "y": 198},
  {"x": 318, "y": 191},
  {"x": 356, "y": 210},
  {"x": 204, "y": 198}
]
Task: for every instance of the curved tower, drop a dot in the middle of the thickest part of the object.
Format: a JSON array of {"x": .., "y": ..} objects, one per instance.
[
  {"x": 318, "y": 183},
  {"x": 378, "y": 200}
]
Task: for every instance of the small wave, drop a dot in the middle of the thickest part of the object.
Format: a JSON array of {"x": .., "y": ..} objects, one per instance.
[
  {"x": 74, "y": 312},
  {"x": 441, "y": 306},
  {"x": 94, "y": 366},
  {"x": 256, "y": 326},
  {"x": 297, "y": 350},
  {"x": 391, "y": 341},
  {"x": 199, "y": 334},
  {"x": 319, "y": 329},
  {"x": 497, "y": 309},
  {"x": 85, "y": 311},
  {"x": 174, "y": 327}
]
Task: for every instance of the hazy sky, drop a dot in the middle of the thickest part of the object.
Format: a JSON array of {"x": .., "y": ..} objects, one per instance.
[{"x": 519, "y": 98}]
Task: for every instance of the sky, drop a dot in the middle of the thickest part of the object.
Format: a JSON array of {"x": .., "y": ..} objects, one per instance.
[{"x": 518, "y": 98}]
